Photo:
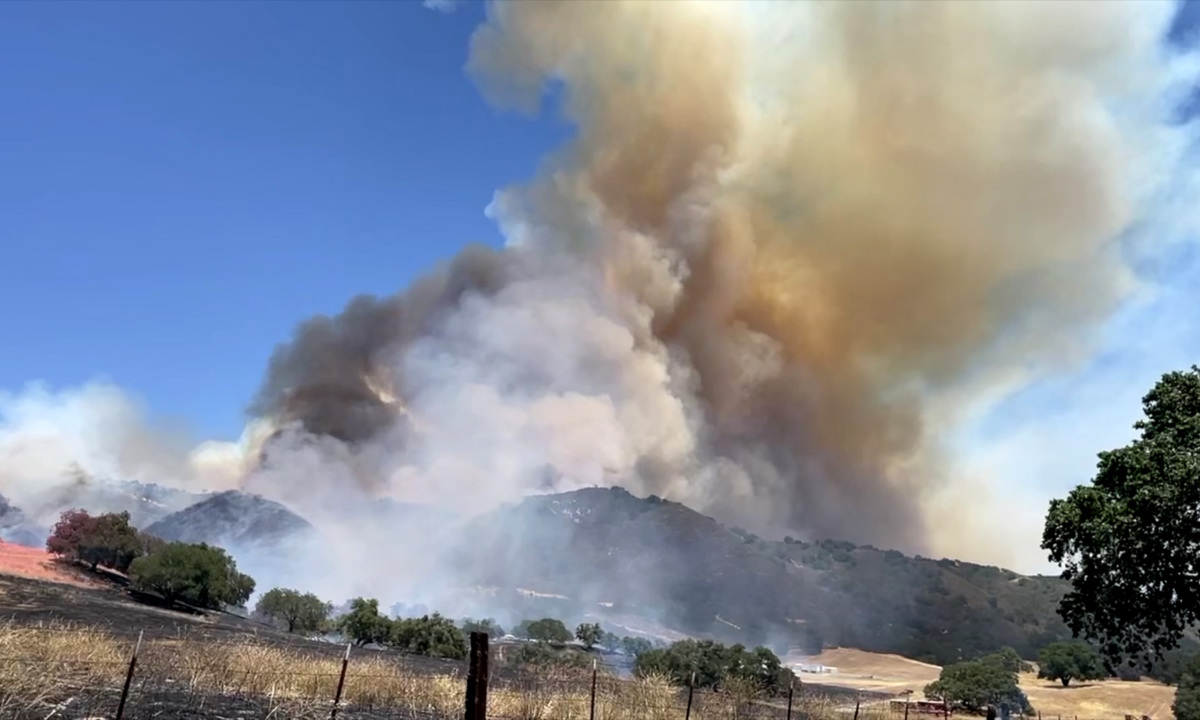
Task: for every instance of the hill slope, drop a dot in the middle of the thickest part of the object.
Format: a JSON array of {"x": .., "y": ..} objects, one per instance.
[
  {"x": 612, "y": 553},
  {"x": 233, "y": 519}
]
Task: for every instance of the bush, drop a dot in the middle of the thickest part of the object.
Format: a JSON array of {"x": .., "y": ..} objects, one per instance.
[
  {"x": 716, "y": 666},
  {"x": 298, "y": 612},
  {"x": 1070, "y": 660},
  {"x": 635, "y": 646},
  {"x": 431, "y": 635},
  {"x": 200, "y": 575}
]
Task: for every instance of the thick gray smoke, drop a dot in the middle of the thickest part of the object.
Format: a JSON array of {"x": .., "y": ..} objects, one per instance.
[{"x": 786, "y": 240}]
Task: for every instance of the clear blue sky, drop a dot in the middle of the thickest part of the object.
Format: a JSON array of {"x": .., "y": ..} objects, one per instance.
[{"x": 181, "y": 183}]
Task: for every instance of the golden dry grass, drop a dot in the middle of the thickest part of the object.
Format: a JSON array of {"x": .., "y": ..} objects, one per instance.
[
  {"x": 1104, "y": 700},
  {"x": 37, "y": 661}
]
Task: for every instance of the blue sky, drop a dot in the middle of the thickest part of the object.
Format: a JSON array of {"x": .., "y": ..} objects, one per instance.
[{"x": 183, "y": 182}]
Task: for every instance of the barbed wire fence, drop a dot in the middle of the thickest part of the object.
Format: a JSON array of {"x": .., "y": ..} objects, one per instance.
[{"x": 183, "y": 679}]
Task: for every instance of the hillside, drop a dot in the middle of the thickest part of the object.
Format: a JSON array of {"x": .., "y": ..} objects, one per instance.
[
  {"x": 233, "y": 519},
  {"x": 613, "y": 553}
]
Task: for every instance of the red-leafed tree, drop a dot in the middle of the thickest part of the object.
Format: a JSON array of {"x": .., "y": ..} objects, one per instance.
[
  {"x": 73, "y": 529},
  {"x": 107, "y": 540}
]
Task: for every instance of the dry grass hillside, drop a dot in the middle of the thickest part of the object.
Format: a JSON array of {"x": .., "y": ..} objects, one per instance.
[{"x": 1106, "y": 700}]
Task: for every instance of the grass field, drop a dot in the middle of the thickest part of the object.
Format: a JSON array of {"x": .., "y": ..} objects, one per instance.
[{"x": 1105, "y": 700}]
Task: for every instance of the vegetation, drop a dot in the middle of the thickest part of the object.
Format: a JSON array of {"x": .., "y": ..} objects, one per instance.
[
  {"x": 635, "y": 646},
  {"x": 1187, "y": 693},
  {"x": 1070, "y": 660},
  {"x": 1128, "y": 541},
  {"x": 487, "y": 625},
  {"x": 303, "y": 613},
  {"x": 82, "y": 665},
  {"x": 715, "y": 666},
  {"x": 107, "y": 540},
  {"x": 199, "y": 574},
  {"x": 589, "y": 634},
  {"x": 976, "y": 684},
  {"x": 363, "y": 624},
  {"x": 431, "y": 635},
  {"x": 547, "y": 630}
]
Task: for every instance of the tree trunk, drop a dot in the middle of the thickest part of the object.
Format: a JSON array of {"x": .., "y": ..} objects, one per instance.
[{"x": 1066, "y": 681}]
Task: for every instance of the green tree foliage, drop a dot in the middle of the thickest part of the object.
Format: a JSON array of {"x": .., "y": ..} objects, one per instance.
[
  {"x": 634, "y": 646},
  {"x": 589, "y": 634},
  {"x": 544, "y": 656},
  {"x": 716, "y": 666},
  {"x": 299, "y": 612},
  {"x": 1009, "y": 660},
  {"x": 486, "y": 625},
  {"x": 975, "y": 685},
  {"x": 1069, "y": 660},
  {"x": 610, "y": 641},
  {"x": 1128, "y": 541},
  {"x": 363, "y": 624},
  {"x": 545, "y": 630},
  {"x": 107, "y": 540},
  {"x": 431, "y": 635},
  {"x": 200, "y": 575},
  {"x": 1187, "y": 693}
]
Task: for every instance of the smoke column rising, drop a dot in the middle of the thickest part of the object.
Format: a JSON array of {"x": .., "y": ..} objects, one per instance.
[{"x": 787, "y": 238}]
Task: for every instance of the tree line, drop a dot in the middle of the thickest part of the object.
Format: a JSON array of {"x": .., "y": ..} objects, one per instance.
[{"x": 198, "y": 574}]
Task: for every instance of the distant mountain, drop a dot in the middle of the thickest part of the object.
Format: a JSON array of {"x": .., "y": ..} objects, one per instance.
[
  {"x": 610, "y": 554},
  {"x": 234, "y": 519}
]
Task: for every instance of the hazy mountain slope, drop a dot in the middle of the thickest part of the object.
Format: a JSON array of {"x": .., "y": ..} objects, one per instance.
[
  {"x": 662, "y": 560},
  {"x": 233, "y": 519}
]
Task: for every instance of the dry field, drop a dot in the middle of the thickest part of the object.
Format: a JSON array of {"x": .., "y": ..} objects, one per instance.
[
  {"x": 74, "y": 672},
  {"x": 1107, "y": 700}
]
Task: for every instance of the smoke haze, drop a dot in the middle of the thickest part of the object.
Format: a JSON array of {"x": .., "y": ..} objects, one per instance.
[{"x": 789, "y": 248}]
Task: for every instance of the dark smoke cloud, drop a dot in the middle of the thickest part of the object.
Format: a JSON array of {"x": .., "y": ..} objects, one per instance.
[{"x": 787, "y": 238}]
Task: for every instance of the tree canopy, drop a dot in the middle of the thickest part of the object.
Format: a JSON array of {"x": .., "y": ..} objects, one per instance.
[
  {"x": 715, "y": 665},
  {"x": 1070, "y": 660},
  {"x": 363, "y": 624},
  {"x": 545, "y": 630},
  {"x": 95, "y": 540},
  {"x": 1129, "y": 540},
  {"x": 200, "y": 574},
  {"x": 299, "y": 612},
  {"x": 589, "y": 634},
  {"x": 486, "y": 625},
  {"x": 431, "y": 635},
  {"x": 976, "y": 684},
  {"x": 1187, "y": 693}
]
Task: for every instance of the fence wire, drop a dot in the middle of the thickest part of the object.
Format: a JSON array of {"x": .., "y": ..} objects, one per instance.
[{"x": 188, "y": 679}]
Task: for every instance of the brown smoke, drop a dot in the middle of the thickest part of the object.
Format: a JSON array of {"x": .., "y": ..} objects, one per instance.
[{"x": 782, "y": 233}]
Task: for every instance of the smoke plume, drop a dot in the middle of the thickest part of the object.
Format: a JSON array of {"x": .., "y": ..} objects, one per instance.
[{"x": 788, "y": 245}]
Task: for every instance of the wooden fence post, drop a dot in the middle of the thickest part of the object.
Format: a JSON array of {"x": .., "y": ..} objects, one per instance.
[
  {"x": 691, "y": 689},
  {"x": 477, "y": 678},
  {"x": 129, "y": 676},
  {"x": 592, "y": 710},
  {"x": 791, "y": 690},
  {"x": 337, "y": 695}
]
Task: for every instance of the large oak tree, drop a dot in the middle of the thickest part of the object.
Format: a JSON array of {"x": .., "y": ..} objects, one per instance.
[{"x": 1130, "y": 541}]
